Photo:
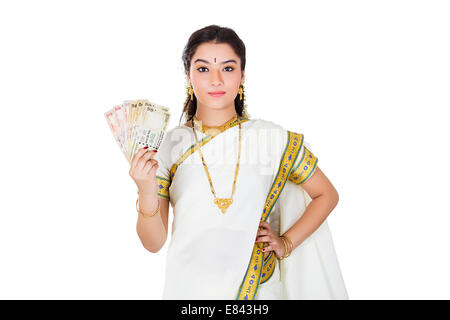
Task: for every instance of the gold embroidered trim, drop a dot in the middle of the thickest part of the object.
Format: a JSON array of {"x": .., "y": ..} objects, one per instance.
[
  {"x": 163, "y": 187},
  {"x": 305, "y": 168},
  {"x": 269, "y": 267},
  {"x": 214, "y": 130},
  {"x": 252, "y": 278}
]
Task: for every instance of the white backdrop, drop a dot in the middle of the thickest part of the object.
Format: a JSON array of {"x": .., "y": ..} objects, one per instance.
[{"x": 367, "y": 82}]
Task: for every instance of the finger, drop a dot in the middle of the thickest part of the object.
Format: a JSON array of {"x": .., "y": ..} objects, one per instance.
[
  {"x": 264, "y": 239},
  {"x": 264, "y": 224},
  {"x": 149, "y": 166},
  {"x": 143, "y": 160},
  {"x": 137, "y": 156},
  {"x": 267, "y": 249},
  {"x": 149, "y": 155},
  {"x": 262, "y": 232},
  {"x": 266, "y": 230},
  {"x": 153, "y": 170}
]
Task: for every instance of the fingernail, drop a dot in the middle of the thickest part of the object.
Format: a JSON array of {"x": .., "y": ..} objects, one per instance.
[{"x": 146, "y": 147}]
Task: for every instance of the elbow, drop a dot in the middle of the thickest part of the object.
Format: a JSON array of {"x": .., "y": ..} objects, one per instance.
[
  {"x": 334, "y": 199},
  {"x": 152, "y": 250},
  {"x": 155, "y": 249}
]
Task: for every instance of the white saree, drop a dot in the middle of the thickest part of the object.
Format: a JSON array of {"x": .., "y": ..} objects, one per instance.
[{"x": 213, "y": 255}]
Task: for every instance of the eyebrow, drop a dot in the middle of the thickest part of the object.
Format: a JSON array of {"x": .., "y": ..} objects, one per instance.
[{"x": 207, "y": 62}]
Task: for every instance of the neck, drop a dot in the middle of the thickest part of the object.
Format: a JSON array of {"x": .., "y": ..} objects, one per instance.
[{"x": 214, "y": 118}]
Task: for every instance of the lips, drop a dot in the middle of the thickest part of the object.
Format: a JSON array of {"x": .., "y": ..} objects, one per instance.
[{"x": 216, "y": 93}]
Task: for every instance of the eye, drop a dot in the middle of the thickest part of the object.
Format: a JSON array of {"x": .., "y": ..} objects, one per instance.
[{"x": 201, "y": 68}]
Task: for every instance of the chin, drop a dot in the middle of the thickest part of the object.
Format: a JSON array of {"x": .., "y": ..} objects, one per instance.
[{"x": 216, "y": 104}]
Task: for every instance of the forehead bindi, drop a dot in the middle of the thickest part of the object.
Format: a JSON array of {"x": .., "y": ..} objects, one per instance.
[{"x": 215, "y": 61}]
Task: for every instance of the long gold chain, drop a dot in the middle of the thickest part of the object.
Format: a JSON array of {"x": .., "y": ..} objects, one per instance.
[{"x": 222, "y": 203}]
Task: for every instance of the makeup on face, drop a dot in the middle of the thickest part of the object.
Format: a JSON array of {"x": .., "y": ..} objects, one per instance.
[
  {"x": 216, "y": 94},
  {"x": 215, "y": 61}
]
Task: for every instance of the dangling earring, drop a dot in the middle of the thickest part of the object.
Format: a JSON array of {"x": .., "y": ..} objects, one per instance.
[
  {"x": 190, "y": 92},
  {"x": 245, "y": 114},
  {"x": 241, "y": 90}
]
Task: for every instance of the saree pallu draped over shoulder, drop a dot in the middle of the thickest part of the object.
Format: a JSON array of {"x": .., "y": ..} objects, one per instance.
[
  {"x": 252, "y": 278},
  {"x": 213, "y": 255}
]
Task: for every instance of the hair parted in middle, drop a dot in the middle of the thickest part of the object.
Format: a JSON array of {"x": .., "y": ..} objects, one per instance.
[{"x": 216, "y": 34}]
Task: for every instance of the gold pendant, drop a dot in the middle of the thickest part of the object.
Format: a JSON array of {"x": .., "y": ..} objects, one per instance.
[{"x": 223, "y": 203}]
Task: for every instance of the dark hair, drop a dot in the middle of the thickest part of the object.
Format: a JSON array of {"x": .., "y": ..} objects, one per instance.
[{"x": 216, "y": 34}]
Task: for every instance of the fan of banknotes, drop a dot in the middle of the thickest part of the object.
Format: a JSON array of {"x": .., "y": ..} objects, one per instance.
[{"x": 136, "y": 124}]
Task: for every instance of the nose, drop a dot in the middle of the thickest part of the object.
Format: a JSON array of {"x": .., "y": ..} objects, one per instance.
[{"x": 216, "y": 77}]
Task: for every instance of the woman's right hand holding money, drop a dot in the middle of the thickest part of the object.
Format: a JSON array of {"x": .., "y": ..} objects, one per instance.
[{"x": 143, "y": 171}]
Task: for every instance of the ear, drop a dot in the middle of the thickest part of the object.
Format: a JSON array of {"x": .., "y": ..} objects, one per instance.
[{"x": 243, "y": 76}]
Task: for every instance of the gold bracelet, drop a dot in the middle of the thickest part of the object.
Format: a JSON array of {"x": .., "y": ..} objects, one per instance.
[
  {"x": 285, "y": 248},
  {"x": 291, "y": 246},
  {"x": 146, "y": 215}
]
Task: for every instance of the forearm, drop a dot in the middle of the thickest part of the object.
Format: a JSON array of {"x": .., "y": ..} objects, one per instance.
[
  {"x": 315, "y": 214},
  {"x": 151, "y": 230}
]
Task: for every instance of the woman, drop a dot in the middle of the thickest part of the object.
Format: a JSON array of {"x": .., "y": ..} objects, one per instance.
[{"x": 243, "y": 226}]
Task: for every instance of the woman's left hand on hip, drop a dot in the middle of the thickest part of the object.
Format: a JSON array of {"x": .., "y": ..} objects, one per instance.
[{"x": 272, "y": 240}]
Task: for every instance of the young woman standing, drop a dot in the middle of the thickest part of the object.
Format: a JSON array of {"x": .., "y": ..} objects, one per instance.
[{"x": 249, "y": 200}]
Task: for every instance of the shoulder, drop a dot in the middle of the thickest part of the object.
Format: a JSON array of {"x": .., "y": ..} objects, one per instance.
[
  {"x": 276, "y": 128},
  {"x": 265, "y": 124}
]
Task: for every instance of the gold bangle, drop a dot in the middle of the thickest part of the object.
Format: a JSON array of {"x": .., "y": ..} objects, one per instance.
[
  {"x": 291, "y": 246},
  {"x": 285, "y": 248},
  {"x": 146, "y": 215}
]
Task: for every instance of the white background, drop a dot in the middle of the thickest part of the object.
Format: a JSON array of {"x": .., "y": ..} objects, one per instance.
[{"x": 366, "y": 82}]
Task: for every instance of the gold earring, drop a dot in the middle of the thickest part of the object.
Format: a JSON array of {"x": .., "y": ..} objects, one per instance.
[
  {"x": 191, "y": 92},
  {"x": 241, "y": 90}
]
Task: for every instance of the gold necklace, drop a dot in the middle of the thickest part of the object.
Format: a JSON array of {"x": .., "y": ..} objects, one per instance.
[
  {"x": 222, "y": 203},
  {"x": 214, "y": 130}
]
